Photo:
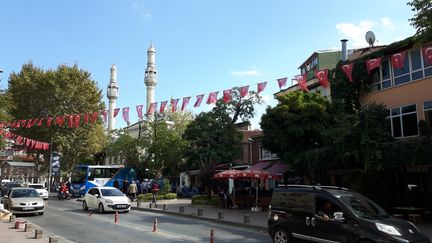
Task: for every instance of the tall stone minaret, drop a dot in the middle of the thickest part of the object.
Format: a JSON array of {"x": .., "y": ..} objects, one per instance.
[
  {"x": 112, "y": 94},
  {"x": 150, "y": 78}
]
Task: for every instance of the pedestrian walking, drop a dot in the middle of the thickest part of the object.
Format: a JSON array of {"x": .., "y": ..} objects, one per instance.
[
  {"x": 155, "y": 189},
  {"x": 125, "y": 186},
  {"x": 132, "y": 190},
  {"x": 116, "y": 184}
]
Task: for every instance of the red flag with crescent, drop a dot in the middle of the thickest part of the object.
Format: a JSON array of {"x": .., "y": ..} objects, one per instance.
[
  {"x": 162, "y": 106},
  {"x": 212, "y": 98},
  {"x": 139, "y": 111},
  {"x": 116, "y": 111},
  {"x": 60, "y": 120},
  {"x": 322, "y": 76},
  {"x": 125, "y": 114},
  {"x": 398, "y": 60},
  {"x": 282, "y": 82},
  {"x": 244, "y": 90},
  {"x": 86, "y": 118},
  {"x": 152, "y": 108},
  {"x": 302, "y": 82},
  {"x": 104, "y": 114},
  {"x": 372, "y": 64},
  {"x": 261, "y": 87},
  {"x": 427, "y": 53},
  {"x": 199, "y": 100},
  {"x": 185, "y": 103},
  {"x": 174, "y": 103},
  {"x": 227, "y": 95},
  {"x": 347, "y": 69},
  {"x": 77, "y": 120}
]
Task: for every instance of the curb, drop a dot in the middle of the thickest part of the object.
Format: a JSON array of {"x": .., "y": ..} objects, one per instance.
[{"x": 220, "y": 221}]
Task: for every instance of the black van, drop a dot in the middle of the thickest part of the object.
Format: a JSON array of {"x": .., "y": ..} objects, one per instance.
[{"x": 333, "y": 214}]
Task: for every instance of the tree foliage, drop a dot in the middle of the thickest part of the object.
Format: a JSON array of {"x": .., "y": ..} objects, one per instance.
[
  {"x": 422, "y": 19},
  {"x": 66, "y": 90}
]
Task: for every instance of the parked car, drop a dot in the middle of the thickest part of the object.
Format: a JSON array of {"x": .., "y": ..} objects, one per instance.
[
  {"x": 106, "y": 199},
  {"x": 43, "y": 192},
  {"x": 7, "y": 186},
  {"x": 20, "y": 200},
  {"x": 334, "y": 214}
]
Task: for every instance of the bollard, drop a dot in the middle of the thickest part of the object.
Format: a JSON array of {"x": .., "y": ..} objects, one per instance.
[
  {"x": 38, "y": 234},
  {"x": 12, "y": 218},
  {"x": 18, "y": 224},
  {"x": 165, "y": 207},
  {"x": 181, "y": 209},
  {"x": 138, "y": 203},
  {"x": 212, "y": 240},
  {"x": 27, "y": 227},
  {"x": 246, "y": 219},
  {"x": 200, "y": 212},
  {"x": 220, "y": 215},
  {"x": 52, "y": 240},
  {"x": 116, "y": 217},
  {"x": 155, "y": 225}
]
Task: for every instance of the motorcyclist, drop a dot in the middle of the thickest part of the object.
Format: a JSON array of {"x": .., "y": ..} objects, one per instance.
[{"x": 64, "y": 191}]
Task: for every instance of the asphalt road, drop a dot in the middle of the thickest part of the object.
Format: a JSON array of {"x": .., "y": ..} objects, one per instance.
[{"x": 67, "y": 221}]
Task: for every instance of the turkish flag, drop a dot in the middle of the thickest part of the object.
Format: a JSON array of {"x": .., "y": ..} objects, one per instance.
[
  {"x": 372, "y": 64},
  {"x": 77, "y": 120},
  {"x": 29, "y": 123},
  {"x": 162, "y": 106},
  {"x": 398, "y": 60},
  {"x": 322, "y": 76},
  {"x": 60, "y": 120},
  {"x": 104, "y": 114},
  {"x": 244, "y": 90},
  {"x": 94, "y": 116},
  {"x": 212, "y": 98},
  {"x": 139, "y": 111},
  {"x": 261, "y": 87},
  {"x": 302, "y": 82},
  {"x": 125, "y": 114},
  {"x": 227, "y": 95},
  {"x": 71, "y": 121},
  {"x": 185, "y": 102},
  {"x": 199, "y": 100},
  {"x": 40, "y": 122},
  {"x": 174, "y": 103},
  {"x": 49, "y": 121},
  {"x": 282, "y": 82},
  {"x": 427, "y": 53},
  {"x": 152, "y": 108},
  {"x": 86, "y": 118},
  {"x": 116, "y": 111},
  {"x": 347, "y": 69},
  {"x": 28, "y": 142}
]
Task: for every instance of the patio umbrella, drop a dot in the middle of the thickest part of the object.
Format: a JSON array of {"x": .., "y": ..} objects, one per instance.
[{"x": 228, "y": 174}]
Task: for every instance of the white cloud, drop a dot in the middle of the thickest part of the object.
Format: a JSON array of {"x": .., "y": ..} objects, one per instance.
[
  {"x": 141, "y": 8},
  {"x": 266, "y": 98},
  {"x": 387, "y": 23},
  {"x": 251, "y": 72},
  {"x": 355, "y": 32}
]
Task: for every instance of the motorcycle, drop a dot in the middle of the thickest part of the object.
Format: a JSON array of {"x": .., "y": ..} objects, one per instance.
[{"x": 63, "y": 194}]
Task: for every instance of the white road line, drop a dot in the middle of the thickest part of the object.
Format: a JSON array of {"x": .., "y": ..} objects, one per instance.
[{"x": 134, "y": 226}]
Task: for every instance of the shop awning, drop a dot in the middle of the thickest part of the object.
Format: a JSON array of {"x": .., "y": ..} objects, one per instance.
[
  {"x": 278, "y": 168},
  {"x": 260, "y": 165}
]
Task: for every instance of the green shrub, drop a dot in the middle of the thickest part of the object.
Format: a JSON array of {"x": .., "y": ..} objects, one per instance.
[
  {"x": 149, "y": 196},
  {"x": 204, "y": 200}
]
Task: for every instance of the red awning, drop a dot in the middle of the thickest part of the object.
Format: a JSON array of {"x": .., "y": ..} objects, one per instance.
[
  {"x": 260, "y": 165},
  {"x": 278, "y": 168}
]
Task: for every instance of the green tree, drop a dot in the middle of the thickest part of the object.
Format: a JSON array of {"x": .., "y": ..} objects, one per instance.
[
  {"x": 64, "y": 91},
  {"x": 422, "y": 20},
  {"x": 5, "y": 108}
]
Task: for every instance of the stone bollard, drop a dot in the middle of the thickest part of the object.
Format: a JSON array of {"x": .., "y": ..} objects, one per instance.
[
  {"x": 220, "y": 215},
  {"x": 246, "y": 219},
  {"x": 12, "y": 218},
  {"x": 200, "y": 212},
  {"x": 165, "y": 207},
  {"x": 38, "y": 234},
  {"x": 28, "y": 227},
  {"x": 181, "y": 209},
  {"x": 19, "y": 223},
  {"x": 52, "y": 240},
  {"x": 138, "y": 203}
]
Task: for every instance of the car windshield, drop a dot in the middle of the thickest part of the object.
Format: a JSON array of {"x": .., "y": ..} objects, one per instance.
[
  {"x": 24, "y": 193},
  {"x": 36, "y": 186},
  {"x": 363, "y": 207},
  {"x": 111, "y": 192}
]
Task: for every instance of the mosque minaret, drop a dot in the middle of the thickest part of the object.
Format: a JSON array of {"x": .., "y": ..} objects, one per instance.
[
  {"x": 150, "y": 79},
  {"x": 112, "y": 94}
]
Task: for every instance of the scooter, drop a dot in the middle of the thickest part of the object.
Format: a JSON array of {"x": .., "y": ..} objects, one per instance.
[{"x": 64, "y": 194}]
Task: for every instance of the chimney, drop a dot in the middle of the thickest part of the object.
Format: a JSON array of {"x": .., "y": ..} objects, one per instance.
[{"x": 344, "y": 50}]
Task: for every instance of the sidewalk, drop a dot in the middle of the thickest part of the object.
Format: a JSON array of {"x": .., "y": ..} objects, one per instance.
[
  {"x": 8, "y": 234},
  {"x": 257, "y": 220}
]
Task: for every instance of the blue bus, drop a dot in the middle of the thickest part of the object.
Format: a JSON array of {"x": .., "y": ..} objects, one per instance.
[{"x": 85, "y": 177}]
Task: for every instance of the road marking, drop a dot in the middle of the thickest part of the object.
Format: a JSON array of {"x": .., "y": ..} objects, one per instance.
[{"x": 134, "y": 226}]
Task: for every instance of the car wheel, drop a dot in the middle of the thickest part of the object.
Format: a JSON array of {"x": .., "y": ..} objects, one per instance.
[
  {"x": 101, "y": 208},
  {"x": 84, "y": 206},
  {"x": 281, "y": 236}
]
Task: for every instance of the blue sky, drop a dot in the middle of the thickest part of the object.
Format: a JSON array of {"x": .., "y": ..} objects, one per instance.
[{"x": 201, "y": 45}]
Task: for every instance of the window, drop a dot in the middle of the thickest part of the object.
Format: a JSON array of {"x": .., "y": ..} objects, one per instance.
[
  {"x": 427, "y": 66},
  {"x": 404, "y": 121},
  {"x": 416, "y": 65},
  {"x": 402, "y": 75},
  {"x": 266, "y": 154},
  {"x": 381, "y": 78},
  {"x": 427, "y": 107}
]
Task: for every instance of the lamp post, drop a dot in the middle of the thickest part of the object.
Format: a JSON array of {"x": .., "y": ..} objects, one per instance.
[
  {"x": 44, "y": 114},
  {"x": 250, "y": 150}
]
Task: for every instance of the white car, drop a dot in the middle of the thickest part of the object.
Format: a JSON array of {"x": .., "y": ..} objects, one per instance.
[
  {"x": 106, "y": 199},
  {"x": 40, "y": 189}
]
